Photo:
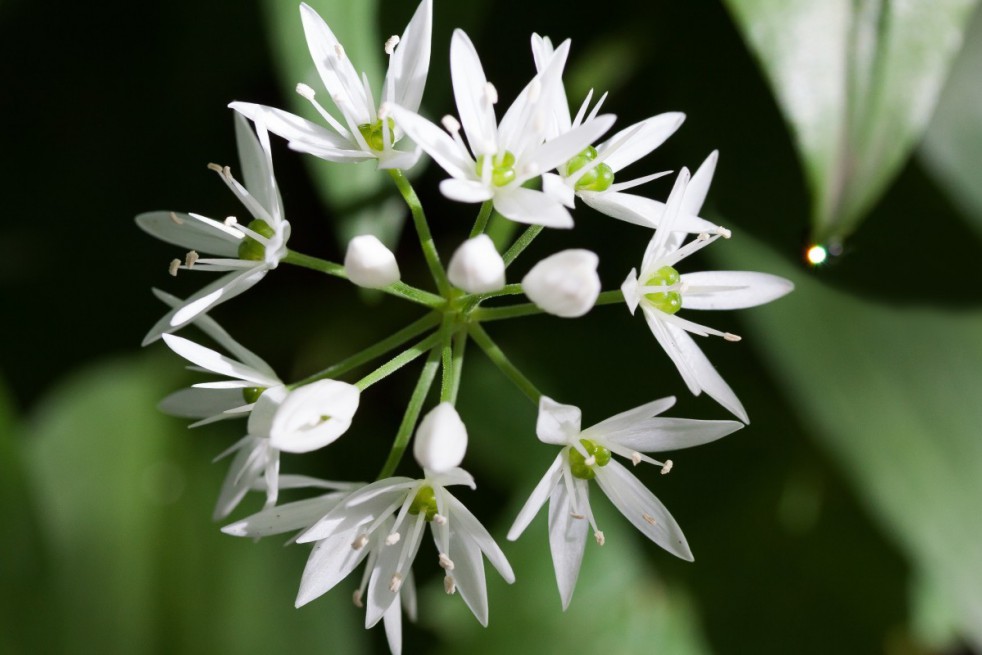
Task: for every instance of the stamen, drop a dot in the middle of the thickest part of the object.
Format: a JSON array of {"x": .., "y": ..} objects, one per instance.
[
  {"x": 231, "y": 221},
  {"x": 666, "y": 467},
  {"x": 723, "y": 232},
  {"x": 450, "y": 124},
  {"x": 391, "y": 43},
  {"x": 439, "y": 519},
  {"x": 393, "y": 539},
  {"x": 359, "y": 542},
  {"x": 215, "y": 167},
  {"x": 729, "y": 336},
  {"x": 449, "y": 585},
  {"x": 339, "y": 51},
  {"x": 491, "y": 93},
  {"x": 174, "y": 217},
  {"x": 305, "y": 91},
  {"x": 703, "y": 236},
  {"x": 446, "y": 562},
  {"x": 649, "y": 519},
  {"x": 356, "y": 599},
  {"x": 599, "y": 536},
  {"x": 396, "y": 583},
  {"x": 635, "y": 458},
  {"x": 191, "y": 258},
  {"x": 175, "y": 265}
]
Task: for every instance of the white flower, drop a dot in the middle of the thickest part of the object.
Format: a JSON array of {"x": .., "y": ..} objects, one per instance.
[
  {"x": 587, "y": 455},
  {"x": 590, "y": 174},
  {"x": 501, "y": 157},
  {"x": 441, "y": 439},
  {"x": 476, "y": 266},
  {"x": 313, "y": 416},
  {"x": 661, "y": 291},
  {"x": 245, "y": 252},
  {"x": 368, "y": 263},
  {"x": 363, "y": 133},
  {"x": 565, "y": 284}
]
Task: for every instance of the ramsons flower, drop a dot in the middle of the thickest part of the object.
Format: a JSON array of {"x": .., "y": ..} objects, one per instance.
[
  {"x": 590, "y": 174},
  {"x": 476, "y": 266},
  {"x": 245, "y": 252},
  {"x": 661, "y": 291},
  {"x": 564, "y": 284},
  {"x": 500, "y": 157},
  {"x": 368, "y": 263},
  {"x": 364, "y": 132},
  {"x": 588, "y": 455}
]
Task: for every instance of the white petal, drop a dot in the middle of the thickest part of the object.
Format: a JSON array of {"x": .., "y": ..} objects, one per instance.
[
  {"x": 641, "y": 211},
  {"x": 410, "y": 63},
  {"x": 465, "y": 190},
  {"x": 264, "y": 411},
  {"x": 200, "y": 403},
  {"x": 660, "y": 242},
  {"x": 293, "y": 128},
  {"x": 553, "y": 185},
  {"x": 538, "y": 498},
  {"x": 380, "y": 597},
  {"x": 437, "y": 143},
  {"x": 642, "y": 509},
  {"x": 524, "y": 124},
  {"x": 368, "y": 263},
  {"x": 532, "y": 207},
  {"x": 557, "y": 424},
  {"x": 476, "y": 266},
  {"x": 249, "y": 463},
  {"x": 470, "y": 93},
  {"x": 565, "y": 284},
  {"x": 567, "y": 540},
  {"x": 330, "y": 562},
  {"x": 732, "y": 289},
  {"x": 558, "y": 151},
  {"x": 630, "y": 291},
  {"x": 336, "y": 155},
  {"x": 663, "y": 434},
  {"x": 314, "y": 416},
  {"x": 392, "y": 621},
  {"x": 360, "y": 508},
  {"x": 695, "y": 193},
  {"x": 652, "y": 133},
  {"x": 441, "y": 439},
  {"x": 285, "y": 518},
  {"x": 214, "y": 362},
  {"x": 626, "y": 419},
  {"x": 467, "y": 523},
  {"x": 399, "y": 159},
  {"x": 468, "y": 574},
  {"x": 257, "y": 165},
  {"x": 337, "y": 73},
  {"x": 192, "y": 232}
]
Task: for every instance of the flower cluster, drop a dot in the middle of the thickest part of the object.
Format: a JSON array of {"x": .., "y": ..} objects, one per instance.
[{"x": 530, "y": 167}]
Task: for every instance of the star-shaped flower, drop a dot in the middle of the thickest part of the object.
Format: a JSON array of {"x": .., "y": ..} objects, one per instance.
[
  {"x": 364, "y": 132},
  {"x": 588, "y": 455},
  {"x": 500, "y": 157},
  {"x": 245, "y": 252},
  {"x": 661, "y": 291}
]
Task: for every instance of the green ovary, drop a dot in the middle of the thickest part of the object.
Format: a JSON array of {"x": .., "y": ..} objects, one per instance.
[
  {"x": 598, "y": 178},
  {"x": 250, "y": 248},
  {"x": 375, "y": 136},
  {"x": 502, "y": 168},
  {"x": 251, "y": 394},
  {"x": 666, "y": 301},
  {"x": 425, "y": 503},
  {"x": 577, "y": 463}
]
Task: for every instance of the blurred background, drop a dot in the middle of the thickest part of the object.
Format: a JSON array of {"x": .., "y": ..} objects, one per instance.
[{"x": 844, "y": 519}]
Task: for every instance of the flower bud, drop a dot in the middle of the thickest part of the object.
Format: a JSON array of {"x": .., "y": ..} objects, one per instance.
[
  {"x": 312, "y": 416},
  {"x": 369, "y": 263},
  {"x": 441, "y": 439},
  {"x": 565, "y": 284},
  {"x": 477, "y": 267}
]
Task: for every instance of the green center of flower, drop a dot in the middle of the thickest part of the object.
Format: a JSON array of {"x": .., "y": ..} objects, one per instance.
[
  {"x": 666, "y": 301},
  {"x": 502, "y": 167},
  {"x": 250, "y": 248},
  {"x": 425, "y": 503},
  {"x": 251, "y": 394},
  {"x": 578, "y": 463},
  {"x": 598, "y": 178},
  {"x": 375, "y": 136}
]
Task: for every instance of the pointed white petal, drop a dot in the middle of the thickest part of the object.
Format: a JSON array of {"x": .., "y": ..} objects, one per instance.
[
  {"x": 629, "y": 289},
  {"x": 293, "y": 128},
  {"x": 399, "y": 159},
  {"x": 192, "y": 232},
  {"x": 557, "y": 424},
  {"x": 465, "y": 523},
  {"x": 409, "y": 604},
  {"x": 336, "y": 155},
  {"x": 732, "y": 289},
  {"x": 200, "y": 403},
  {"x": 527, "y": 120},
  {"x": 664, "y": 434},
  {"x": 553, "y": 185},
  {"x": 567, "y": 540},
  {"x": 257, "y": 170},
  {"x": 330, "y": 562},
  {"x": 642, "y": 509},
  {"x": 650, "y": 134},
  {"x": 538, "y": 498},
  {"x": 380, "y": 595},
  {"x": 695, "y": 193},
  {"x": 358, "y": 509},
  {"x": 437, "y": 143},
  {"x": 470, "y": 93},
  {"x": 468, "y": 574},
  {"x": 392, "y": 622},
  {"x": 333, "y": 65},
  {"x": 532, "y": 207},
  {"x": 465, "y": 190},
  {"x": 657, "y": 247},
  {"x": 213, "y": 361},
  {"x": 560, "y": 150},
  {"x": 629, "y": 418},
  {"x": 285, "y": 518},
  {"x": 410, "y": 62},
  {"x": 660, "y": 331},
  {"x": 641, "y": 211},
  {"x": 249, "y": 463},
  {"x": 314, "y": 416}
]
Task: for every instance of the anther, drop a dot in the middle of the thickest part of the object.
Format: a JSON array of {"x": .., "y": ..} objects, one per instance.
[
  {"x": 703, "y": 236},
  {"x": 723, "y": 232},
  {"x": 392, "y": 539},
  {"x": 339, "y": 50},
  {"x": 175, "y": 265},
  {"x": 191, "y": 258},
  {"x": 666, "y": 467},
  {"x": 577, "y": 516},
  {"x": 305, "y": 91},
  {"x": 215, "y": 167},
  {"x": 231, "y": 221},
  {"x": 729, "y": 336},
  {"x": 439, "y": 519},
  {"x": 450, "y": 123},
  {"x": 449, "y": 585},
  {"x": 599, "y": 536},
  {"x": 491, "y": 93},
  {"x": 177, "y": 220},
  {"x": 635, "y": 458},
  {"x": 396, "y": 583},
  {"x": 356, "y": 599},
  {"x": 360, "y": 542},
  {"x": 445, "y": 562},
  {"x": 391, "y": 43},
  {"x": 649, "y": 519}
]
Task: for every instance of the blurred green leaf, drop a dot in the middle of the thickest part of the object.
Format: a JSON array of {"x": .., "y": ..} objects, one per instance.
[
  {"x": 124, "y": 495},
  {"x": 952, "y": 148},
  {"x": 857, "y": 81},
  {"x": 893, "y": 394}
]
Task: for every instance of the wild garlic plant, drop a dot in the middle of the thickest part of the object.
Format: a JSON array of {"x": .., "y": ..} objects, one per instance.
[{"x": 529, "y": 166}]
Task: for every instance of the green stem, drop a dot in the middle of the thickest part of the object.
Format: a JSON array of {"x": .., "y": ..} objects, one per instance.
[
  {"x": 400, "y": 360},
  {"x": 495, "y": 354},
  {"x": 449, "y": 377},
  {"x": 398, "y": 289},
  {"x": 423, "y": 231},
  {"x": 521, "y": 243},
  {"x": 609, "y": 298},
  {"x": 482, "y": 219},
  {"x": 484, "y": 314},
  {"x": 411, "y": 331},
  {"x": 459, "y": 344}
]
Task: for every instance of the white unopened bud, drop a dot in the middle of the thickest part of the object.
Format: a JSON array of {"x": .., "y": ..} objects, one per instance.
[
  {"x": 565, "y": 284},
  {"x": 441, "y": 439},
  {"x": 369, "y": 263},
  {"x": 312, "y": 416},
  {"x": 477, "y": 267}
]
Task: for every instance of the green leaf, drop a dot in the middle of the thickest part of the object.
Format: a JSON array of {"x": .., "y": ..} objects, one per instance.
[
  {"x": 952, "y": 147},
  {"x": 857, "y": 81},
  {"x": 891, "y": 392}
]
